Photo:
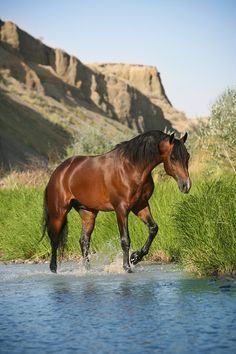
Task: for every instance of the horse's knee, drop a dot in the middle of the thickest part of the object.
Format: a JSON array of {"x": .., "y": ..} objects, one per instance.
[
  {"x": 153, "y": 229},
  {"x": 125, "y": 244}
]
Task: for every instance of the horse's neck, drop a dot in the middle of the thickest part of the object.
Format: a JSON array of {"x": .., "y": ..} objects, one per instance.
[{"x": 147, "y": 169}]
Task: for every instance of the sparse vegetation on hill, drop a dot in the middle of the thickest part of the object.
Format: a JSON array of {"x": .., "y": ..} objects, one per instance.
[{"x": 34, "y": 126}]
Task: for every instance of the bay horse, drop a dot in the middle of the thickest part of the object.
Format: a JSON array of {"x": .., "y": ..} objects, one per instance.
[{"x": 120, "y": 181}]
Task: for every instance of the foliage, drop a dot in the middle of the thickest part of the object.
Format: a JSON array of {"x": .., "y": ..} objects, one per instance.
[
  {"x": 205, "y": 227},
  {"x": 217, "y": 137},
  {"x": 93, "y": 141}
]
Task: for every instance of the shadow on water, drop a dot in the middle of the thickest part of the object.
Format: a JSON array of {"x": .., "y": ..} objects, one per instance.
[{"x": 157, "y": 309}]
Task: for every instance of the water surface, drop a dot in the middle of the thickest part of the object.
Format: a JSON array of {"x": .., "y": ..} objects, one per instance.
[{"x": 157, "y": 309}]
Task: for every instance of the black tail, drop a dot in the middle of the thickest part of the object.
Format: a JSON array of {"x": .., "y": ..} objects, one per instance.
[
  {"x": 45, "y": 218},
  {"x": 63, "y": 238},
  {"x": 46, "y": 226}
]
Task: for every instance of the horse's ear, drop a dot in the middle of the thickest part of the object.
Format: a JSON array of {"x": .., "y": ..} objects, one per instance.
[
  {"x": 171, "y": 138},
  {"x": 184, "y": 138}
]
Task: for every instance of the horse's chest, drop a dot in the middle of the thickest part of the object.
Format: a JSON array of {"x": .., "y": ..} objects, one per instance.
[{"x": 142, "y": 193}]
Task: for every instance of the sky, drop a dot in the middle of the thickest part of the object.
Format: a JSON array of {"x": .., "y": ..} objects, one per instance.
[{"x": 191, "y": 42}]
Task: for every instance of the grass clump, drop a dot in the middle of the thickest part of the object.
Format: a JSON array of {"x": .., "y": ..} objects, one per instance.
[
  {"x": 205, "y": 227},
  {"x": 20, "y": 226}
]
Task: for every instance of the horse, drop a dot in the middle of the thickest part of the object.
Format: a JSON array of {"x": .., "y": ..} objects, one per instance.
[{"x": 120, "y": 181}]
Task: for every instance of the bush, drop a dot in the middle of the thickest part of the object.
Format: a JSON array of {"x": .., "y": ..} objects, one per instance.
[
  {"x": 205, "y": 226},
  {"x": 215, "y": 141},
  {"x": 92, "y": 141}
]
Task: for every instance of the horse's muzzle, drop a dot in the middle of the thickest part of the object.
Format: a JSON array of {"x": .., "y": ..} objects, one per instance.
[{"x": 184, "y": 185}]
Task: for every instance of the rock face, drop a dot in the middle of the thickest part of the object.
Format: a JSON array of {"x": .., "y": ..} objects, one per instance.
[
  {"x": 144, "y": 78},
  {"x": 131, "y": 94},
  {"x": 147, "y": 80}
]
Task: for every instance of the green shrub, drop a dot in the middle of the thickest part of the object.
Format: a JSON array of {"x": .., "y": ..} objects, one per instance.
[
  {"x": 205, "y": 226},
  {"x": 215, "y": 140},
  {"x": 92, "y": 141}
]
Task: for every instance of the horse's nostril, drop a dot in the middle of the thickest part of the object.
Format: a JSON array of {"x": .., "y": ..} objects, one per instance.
[
  {"x": 184, "y": 186},
  {"x": 187, "y": 186}
]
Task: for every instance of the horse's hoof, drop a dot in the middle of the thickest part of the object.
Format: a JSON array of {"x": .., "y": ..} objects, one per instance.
[
  {"x": 136, "y": 257},
  {"x": 128, "y": 270},
  {"x": 53, "y": 268},
  {"x": 87, "y": 266}
]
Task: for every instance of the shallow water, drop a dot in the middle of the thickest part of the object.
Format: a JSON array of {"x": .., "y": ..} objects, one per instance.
[{"x": 157, "y": 309}]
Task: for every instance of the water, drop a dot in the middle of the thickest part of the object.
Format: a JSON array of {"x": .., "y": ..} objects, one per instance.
[{"x": 157, "y": 309}]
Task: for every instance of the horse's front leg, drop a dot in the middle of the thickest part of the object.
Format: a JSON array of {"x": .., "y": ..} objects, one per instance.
[
  {"x": 146, "y": 216},
  {"x": 122, "y": 220}
]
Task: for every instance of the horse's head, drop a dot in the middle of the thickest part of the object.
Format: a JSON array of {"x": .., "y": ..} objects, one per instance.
[{"x": 175, "y": 158}]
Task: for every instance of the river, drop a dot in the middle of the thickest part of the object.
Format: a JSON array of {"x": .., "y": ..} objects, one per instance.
[{"x": 156, "y": 309}]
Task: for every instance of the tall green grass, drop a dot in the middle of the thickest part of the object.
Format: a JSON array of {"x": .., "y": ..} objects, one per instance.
[
  {"x": 198, "y": 229},
  {"x": 20, "y": 224},
  {"x": 21, "y": 215},
  {"x": 205, "y": 227}
]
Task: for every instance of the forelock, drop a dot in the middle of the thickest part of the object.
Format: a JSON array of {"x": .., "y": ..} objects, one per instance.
[{"x": 179, "y": 151}]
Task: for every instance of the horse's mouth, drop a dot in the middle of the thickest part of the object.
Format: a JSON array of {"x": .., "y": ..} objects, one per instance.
[{"x": 184, "y": 185}]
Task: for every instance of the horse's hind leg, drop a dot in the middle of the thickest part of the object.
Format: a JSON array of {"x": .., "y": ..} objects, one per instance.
[
  {"x": 146, "y": 216},
  {"x": 57, "y": 231},
  {"x": 88, "y": 222},
  {"x": 122, "y": 220}
]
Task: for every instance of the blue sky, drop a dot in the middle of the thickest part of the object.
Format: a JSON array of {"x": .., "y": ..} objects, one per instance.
[{"x": 191, "y": 42}]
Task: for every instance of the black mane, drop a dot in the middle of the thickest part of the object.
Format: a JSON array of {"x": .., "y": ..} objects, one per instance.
[
  {"x": 142, "y": 148},
  {"x": 180, "y": 153}
]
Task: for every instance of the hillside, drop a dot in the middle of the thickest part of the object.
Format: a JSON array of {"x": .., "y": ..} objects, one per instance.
[
  {"x": 147, "y": 80},
  {"x": 49, "y": 98}
]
